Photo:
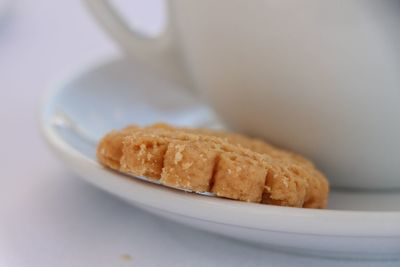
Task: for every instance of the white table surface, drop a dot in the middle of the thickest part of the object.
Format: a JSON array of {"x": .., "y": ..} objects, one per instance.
[{"x": 48, "y": 216}]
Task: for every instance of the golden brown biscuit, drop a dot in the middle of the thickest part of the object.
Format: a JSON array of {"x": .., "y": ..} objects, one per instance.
[
  {"x": 109, "y": 149},
  {"x": 227, "y": 164}
]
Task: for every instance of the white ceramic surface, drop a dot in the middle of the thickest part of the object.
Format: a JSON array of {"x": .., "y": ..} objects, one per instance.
[
  {"x": 321, "y": 77},
  {"x": 4, "y": 9},
  {"x": 110, "y": 95}
]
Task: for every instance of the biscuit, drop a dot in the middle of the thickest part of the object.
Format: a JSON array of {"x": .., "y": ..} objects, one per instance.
[{"x": 227, "y": 164}]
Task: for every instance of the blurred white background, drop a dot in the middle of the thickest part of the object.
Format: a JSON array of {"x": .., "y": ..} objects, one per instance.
[{"x": 49, "y": 217}]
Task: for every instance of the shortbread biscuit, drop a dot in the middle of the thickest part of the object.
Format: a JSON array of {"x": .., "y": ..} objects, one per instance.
[{"x": 227, "y": 164}]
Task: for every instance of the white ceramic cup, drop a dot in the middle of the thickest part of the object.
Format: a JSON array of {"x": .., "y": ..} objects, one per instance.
[{"x": 318, "y": 77}]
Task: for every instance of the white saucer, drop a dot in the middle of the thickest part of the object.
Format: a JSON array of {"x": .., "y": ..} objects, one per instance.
[{"x": 115, "y": 93}]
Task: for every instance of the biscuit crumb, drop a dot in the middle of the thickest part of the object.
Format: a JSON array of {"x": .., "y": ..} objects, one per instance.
[
  {"x": 126, "y": 257},
  {"x": 187, "y": 165},
  {"x": 178, "y": 157},
  {"x": 285, "y": 182},
  {"x": 142, "y": 149},
  {"x": 178, "y": 154}
]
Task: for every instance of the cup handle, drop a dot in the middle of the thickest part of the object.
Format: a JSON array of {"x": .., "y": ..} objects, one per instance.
[{"x": 158, "y": 52}]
